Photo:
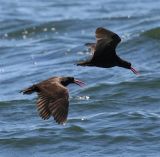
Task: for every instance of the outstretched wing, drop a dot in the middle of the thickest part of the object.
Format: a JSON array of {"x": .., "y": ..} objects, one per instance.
[
  {"x": 42, "y": 106},
  {"x": 107, "y": 42},
  {"x": 53, "y": 101},
  {"x": 102, "y": 33},
  {"x": 59, "y": 110},
  {"x": 104, "y": 48}
]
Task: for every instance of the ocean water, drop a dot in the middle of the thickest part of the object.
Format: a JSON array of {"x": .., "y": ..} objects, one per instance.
[{"x": 117, "y": 114}]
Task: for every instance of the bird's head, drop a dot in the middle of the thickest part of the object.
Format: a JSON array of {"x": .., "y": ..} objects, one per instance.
[
  {"x": 67, "y": 80},
  {"x": 127, "y": 65}
]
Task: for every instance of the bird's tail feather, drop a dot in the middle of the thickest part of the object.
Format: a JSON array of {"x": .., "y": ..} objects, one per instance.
[{"x": 29, "y": 90}]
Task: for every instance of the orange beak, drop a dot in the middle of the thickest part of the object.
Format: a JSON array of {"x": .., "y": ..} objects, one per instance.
[
  {"x": 78, "y": 82},
  {"x": 135, "y": 71}
]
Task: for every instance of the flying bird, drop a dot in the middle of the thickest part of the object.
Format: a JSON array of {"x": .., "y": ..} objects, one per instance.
[
  {"x": 104, "y": 51},
  {"x": 53, "y": 97}
]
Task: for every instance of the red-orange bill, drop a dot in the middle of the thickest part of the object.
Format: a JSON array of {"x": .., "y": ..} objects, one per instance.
[
  {"x": 78, "y": 82},
  {"x": 135, "y": 71}
]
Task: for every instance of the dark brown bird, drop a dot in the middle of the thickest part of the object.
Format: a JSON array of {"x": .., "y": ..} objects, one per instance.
[
  {"x": 53, "y": 97},
  {"x": 104, "y": 51}
]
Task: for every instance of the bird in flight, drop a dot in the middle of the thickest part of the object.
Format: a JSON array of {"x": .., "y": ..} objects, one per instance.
[
  {"x": 104, "y": 51},
  {"x": 53, "y": 97}
]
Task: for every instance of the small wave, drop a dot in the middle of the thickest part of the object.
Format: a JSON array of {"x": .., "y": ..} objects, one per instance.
[
  {"x": 134, "y": 115},
  {"x": 24, "y": 142},
  {"x": 75, "y": 128},
  {"x": 28, "y": 31},
  {"x": 153, "y": 33},
  {"x": 85, "y": 118},
  {"x": 142, "y": 114},
  {"x": 83, "y": 97}
]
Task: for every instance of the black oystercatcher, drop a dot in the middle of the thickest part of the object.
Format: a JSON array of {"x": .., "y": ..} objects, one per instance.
[
  {"x": 104, "y": 53},
  {"x": 53, "y": 97}
]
